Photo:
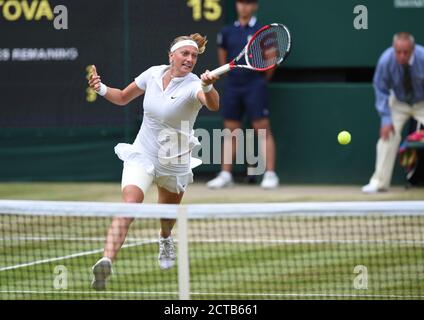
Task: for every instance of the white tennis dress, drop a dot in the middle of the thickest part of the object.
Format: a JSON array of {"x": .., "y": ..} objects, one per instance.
[{"x": 165, "y": 140}]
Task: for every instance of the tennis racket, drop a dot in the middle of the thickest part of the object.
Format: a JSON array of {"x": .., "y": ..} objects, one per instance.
[{"x": 267, "y": 48}]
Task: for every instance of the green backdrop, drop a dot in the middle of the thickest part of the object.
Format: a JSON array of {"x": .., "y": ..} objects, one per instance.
[{"x": 324, "y": 34}]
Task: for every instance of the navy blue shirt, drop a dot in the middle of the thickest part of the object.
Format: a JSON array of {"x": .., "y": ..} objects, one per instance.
[{"x": 233, "y": 38}]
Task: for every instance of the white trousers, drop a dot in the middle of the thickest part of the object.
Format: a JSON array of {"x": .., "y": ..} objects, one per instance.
[{"x": 388, "y": 149}]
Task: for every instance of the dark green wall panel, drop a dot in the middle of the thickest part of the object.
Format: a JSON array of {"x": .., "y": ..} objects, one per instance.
[
  {"x": 324, "y": 35},
  {"x": 60, "y": 154}
]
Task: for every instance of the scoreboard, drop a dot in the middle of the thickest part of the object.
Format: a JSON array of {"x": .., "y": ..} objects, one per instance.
[
  {"x": 154, "y": 24},
  {"x": 43, "y": 68}
]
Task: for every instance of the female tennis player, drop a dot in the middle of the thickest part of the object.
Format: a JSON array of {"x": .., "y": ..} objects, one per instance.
[{"x": 160, "y": 154}]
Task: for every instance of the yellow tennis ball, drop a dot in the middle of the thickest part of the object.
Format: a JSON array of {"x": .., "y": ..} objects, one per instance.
[{"x": 344, "y": 137}]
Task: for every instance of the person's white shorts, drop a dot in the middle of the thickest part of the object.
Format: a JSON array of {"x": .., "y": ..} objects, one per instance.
[{"x": 135, "y": 174}]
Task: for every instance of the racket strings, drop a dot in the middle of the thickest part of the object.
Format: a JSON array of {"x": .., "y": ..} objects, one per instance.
[{"x": 269, "y": 47}]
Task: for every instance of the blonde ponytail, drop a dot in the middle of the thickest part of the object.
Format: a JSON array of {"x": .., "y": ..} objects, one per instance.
[{"x": 200, "y": 40}]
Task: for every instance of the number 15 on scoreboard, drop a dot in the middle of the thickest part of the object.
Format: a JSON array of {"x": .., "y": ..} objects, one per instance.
[{"x": 208, "y": 9}]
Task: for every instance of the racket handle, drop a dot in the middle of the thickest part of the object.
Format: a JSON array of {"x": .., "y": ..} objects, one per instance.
[{"x": 221, "y": 70}]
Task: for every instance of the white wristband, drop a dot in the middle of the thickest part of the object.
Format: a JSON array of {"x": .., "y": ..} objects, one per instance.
[
  {"x": 208, "y": 88},
  {"x": 103, "y": 89}
]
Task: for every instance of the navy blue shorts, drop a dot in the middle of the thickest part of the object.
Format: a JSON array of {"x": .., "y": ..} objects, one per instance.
[{"x": 250, "y": 99}]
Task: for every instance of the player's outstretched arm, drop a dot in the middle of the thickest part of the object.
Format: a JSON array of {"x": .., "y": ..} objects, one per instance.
[{"x": 116, "y": 96}]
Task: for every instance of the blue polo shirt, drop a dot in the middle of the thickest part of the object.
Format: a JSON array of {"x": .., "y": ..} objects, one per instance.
[
  {"x": 389, "y": 77},
  {"x": 233, "y": 38}
]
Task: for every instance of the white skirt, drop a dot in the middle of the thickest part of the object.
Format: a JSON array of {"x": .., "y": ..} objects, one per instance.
[{"x": 174, "y": 178}]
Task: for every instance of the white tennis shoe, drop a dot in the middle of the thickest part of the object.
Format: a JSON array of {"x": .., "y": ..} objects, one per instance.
[
  {"x": 101, "y": 271},
  {"x": 167, "y": 254},
  {"x": 371, "y": 188},
  {"x": 224, "y": 179},
  {"x": 270, "y": 180}
]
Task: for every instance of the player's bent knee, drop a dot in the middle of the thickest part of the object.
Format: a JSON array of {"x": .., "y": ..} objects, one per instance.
[{"x": 132, "y": 194}]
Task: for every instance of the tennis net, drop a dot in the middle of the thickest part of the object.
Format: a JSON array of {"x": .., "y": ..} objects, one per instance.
[{"x": 342, "y": 250}]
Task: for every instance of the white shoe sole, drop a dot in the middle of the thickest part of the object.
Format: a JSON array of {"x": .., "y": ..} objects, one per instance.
[
  {"x": 369, "y": 191},
  {"x": 269, "y": 187},
  {"x": 101, "y": 271},
  {"x": 166, "y": 264},
  {"x": 374, "y": 191},
  {"x": 227, "y": 185}
]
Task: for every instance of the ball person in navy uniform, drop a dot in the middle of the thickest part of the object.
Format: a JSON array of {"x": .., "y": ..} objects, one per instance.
[{"x": 245, "y": 92}]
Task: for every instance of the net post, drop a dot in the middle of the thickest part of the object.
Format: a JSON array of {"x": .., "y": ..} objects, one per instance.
[{"x": 183, "y": 259}]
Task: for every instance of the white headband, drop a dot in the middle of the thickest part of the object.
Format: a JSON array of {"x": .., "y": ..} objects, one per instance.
[{"x": 183, "y": 43}]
